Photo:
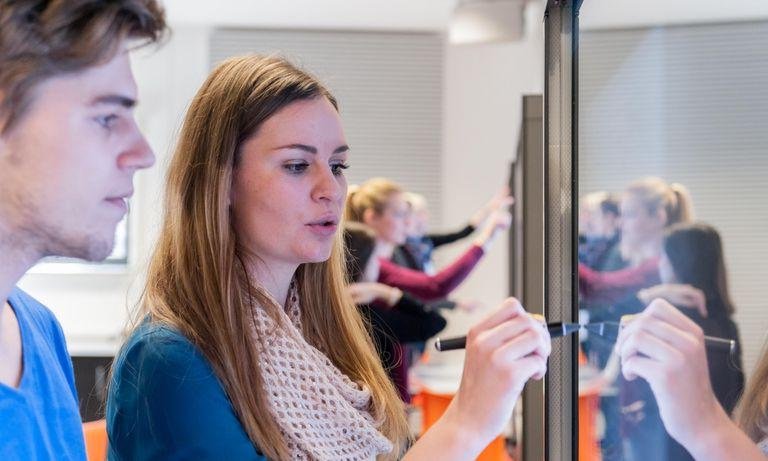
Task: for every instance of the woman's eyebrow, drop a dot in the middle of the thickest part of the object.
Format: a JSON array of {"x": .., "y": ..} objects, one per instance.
[{"x": 312, "y": 149}]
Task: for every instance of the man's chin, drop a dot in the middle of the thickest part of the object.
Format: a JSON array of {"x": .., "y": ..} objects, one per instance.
[{"x": 91, "y": 249}]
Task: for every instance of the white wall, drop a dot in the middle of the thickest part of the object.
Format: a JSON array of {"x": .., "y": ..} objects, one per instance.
[
  {"x": 600, "y": 14},
  {"x": 484, "y": 85}
]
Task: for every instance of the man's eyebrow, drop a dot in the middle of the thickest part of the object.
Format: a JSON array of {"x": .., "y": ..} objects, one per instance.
[
  {"x": 312, "y": 149},
  {"x": 114, "y": 99}
]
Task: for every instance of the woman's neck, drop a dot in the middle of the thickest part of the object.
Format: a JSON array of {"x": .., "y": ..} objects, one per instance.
[
  {"x": 275, "y": 279},
  {"x": 385, "y": 249},
  {"x": 645, "y": 251},
  {"x": 16, "y": 257}
]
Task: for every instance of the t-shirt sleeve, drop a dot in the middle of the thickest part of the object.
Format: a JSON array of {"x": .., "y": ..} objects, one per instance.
[{"x": 166, "y": 403}]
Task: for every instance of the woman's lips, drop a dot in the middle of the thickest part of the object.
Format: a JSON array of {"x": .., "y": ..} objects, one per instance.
[{"x": 323, "y": 229}]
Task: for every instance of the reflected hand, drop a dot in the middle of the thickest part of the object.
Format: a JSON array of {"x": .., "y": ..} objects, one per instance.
[
  {"x": 503, "y": 352},
  {"x": 679, "y": 294},
  {"x": 666, "y": 348}
]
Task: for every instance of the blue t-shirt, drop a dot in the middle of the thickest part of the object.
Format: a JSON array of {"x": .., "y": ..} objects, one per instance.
[
  {"x": 40, "y": 419},
  {"x": 165, "y": 402}
]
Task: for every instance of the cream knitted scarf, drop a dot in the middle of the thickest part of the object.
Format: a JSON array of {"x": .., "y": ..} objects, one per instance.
[{"x": 322, "y": 414}]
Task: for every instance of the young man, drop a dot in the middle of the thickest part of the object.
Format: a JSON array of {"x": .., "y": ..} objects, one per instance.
[{"x": 69, "y": 147}]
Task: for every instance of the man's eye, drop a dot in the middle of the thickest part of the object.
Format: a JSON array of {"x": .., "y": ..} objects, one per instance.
[{"x": 107, "y": 121}]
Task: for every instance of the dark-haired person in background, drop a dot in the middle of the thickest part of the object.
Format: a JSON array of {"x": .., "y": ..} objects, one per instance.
[
  {"x": 692, "y": 271},
  {"x": 599, "y": 234},
  {"x": 395, "y": 317},
  {"x": 69, "y": 147}
]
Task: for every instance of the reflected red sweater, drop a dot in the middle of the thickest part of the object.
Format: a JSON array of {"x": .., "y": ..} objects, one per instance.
[
  {"x": 430, "y": 287},
  {"x": 614, "y": 286}
]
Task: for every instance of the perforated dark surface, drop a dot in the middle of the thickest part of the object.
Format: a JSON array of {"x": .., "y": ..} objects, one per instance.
[{"x": 559, "y": 227}]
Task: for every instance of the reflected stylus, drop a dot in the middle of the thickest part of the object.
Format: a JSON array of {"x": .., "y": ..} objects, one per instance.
[
  {"x": 556, "y": 330},
  {"x": 610, "y": 331}
]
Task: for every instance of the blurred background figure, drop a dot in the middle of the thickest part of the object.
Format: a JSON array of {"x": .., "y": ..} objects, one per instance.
[
  {"x": 599, "y": 221},
  {"x": 380, "y": 205},
  {"x": 648, "y": 206},
  {"x": 416, "y": 252},
  {"x": 394, "y": 317},
  {"x": 694, "y": 279}
]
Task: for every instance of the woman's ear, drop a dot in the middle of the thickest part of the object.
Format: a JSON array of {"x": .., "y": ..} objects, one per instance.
[{"x": 369, "y": 216}]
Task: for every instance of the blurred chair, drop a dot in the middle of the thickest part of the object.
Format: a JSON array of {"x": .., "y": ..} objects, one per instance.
[
  {"x": 432, "y": 408},
  {"x": 96, "y": 440},
  {"x": 589, "y": 402}
]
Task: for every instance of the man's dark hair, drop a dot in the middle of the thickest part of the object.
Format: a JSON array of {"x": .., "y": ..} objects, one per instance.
[{"x": 40, "y": 39}]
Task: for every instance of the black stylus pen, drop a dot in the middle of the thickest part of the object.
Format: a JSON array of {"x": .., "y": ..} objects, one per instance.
[
  {"x": 610, "y": 331},
  {"x": 556, "y": 330}
]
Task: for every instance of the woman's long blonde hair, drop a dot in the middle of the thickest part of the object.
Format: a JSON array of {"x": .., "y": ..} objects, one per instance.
[
  {"x": 197, "y": 280},
  {"x": 657, "y": 195},
  {"x": 752, "y": 411},
  {"x": 373, "y": 194}
]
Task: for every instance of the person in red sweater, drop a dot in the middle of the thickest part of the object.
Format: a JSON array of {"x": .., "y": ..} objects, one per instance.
[
  {"x": 379, "y": 204},
  {"x": 648, "y": 207}
]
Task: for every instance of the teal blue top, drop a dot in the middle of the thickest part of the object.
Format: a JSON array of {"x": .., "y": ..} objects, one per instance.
[{"x": 165, "y": 402}]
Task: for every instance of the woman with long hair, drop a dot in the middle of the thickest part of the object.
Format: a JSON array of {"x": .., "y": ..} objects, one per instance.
[
  {"x": 648, "y": 207},
  {"x": 395, "y": 317},
  {"x": 692, "y": 260},
  {"x": 380, "y": 204},
  {"x": 694, "y": 390},
  {"x": 247, "y": 345}
]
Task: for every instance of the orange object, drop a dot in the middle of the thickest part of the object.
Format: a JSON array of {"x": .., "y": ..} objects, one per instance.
[
  {"x": 589, "y": 449},
  {"x": 432, "y": 408},
  {"x": 96, "y": 440}
]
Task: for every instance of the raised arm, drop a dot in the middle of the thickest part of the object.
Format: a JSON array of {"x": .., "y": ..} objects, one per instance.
[{"x": 429, "y": 287}]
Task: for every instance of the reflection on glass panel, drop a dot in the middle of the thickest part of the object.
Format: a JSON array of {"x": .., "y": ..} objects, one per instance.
[{"x": 672, "y": 190}]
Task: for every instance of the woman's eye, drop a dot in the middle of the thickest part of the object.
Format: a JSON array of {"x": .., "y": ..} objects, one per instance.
[
  {"x": 338, "y": 168},
  {"x": 296, "y": 168},
  {"x": 107, "y": 121}
]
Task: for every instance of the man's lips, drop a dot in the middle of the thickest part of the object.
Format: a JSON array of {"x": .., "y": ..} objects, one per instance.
[{"x": 120, "y": 201}]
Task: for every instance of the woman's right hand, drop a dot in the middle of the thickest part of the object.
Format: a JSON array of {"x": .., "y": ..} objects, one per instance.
[
  {"x": 500, "y": 220},
  {"x": 503, "y": 352},
  {"x": 502, "y": 200}
]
